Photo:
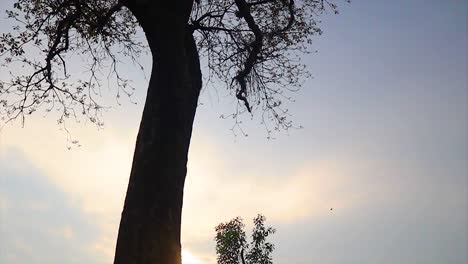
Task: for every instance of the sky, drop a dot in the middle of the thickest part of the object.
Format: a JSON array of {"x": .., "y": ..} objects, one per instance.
[{"x": 384, "y": 143}]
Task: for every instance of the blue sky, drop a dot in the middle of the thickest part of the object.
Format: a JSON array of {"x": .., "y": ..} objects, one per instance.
[{"x": 384, "y": 143}]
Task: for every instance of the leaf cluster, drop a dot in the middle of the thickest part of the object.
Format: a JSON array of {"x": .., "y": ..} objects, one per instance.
[
  {"x": 255, "y": 47},
  {"x": 232, "y": 246},
  {"x": 40, "y": 46}
]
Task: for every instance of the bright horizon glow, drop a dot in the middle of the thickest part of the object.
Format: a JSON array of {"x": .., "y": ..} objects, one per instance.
[{"x": 189, "y": 258}]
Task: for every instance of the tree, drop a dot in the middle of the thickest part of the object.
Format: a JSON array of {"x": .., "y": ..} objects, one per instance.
[
  {"x": 252, "y": 46},
  {"x": 232, "y": 246}
]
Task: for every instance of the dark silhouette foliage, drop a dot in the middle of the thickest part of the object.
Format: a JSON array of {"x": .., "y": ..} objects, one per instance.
[
  {"x": 254, "y": 47},
  {"x": 47, "y": 34},
  {"x": 232, "y": 246}
]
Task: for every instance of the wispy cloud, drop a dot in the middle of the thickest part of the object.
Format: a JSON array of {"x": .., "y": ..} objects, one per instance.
[{"x": 39, "y": 223}]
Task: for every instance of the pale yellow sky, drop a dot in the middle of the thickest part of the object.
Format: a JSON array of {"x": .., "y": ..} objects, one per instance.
[{"x": 94, "y": 177}]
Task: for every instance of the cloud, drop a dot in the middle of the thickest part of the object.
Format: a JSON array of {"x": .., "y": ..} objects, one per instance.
[
  {"x": 94, "y": 177},
  {"x": 3, "y": 203},
  {"x": 358, "y": 187},
  {"x": 38, "y": 224},
  {"x": 217, "y": 189},
  {"x": 67, "y": 233},
  {"x": 221, "y": 185}
]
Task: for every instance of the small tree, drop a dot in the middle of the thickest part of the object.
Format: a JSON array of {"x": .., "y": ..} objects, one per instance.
[{"x": 232, "y": 246}]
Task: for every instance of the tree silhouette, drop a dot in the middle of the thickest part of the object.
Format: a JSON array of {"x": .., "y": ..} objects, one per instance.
[
  {"x": 252, "y": 46},
  {"x": 232, "y": 246}
]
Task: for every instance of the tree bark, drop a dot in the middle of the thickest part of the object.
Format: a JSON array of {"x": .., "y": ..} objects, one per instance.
[{"x": 149, "y": 231}]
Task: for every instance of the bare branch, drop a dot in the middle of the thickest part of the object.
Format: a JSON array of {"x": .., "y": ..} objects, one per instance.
[
  {"x": 255, "y": 47},
  {"x": 99, "y": 30}
]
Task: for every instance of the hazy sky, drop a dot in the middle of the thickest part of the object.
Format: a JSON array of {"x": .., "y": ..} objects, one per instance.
[{"x": 384, "y": 143}]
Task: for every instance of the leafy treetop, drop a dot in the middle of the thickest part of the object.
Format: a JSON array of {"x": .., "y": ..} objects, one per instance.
[
  {"x": 253, "y": 46},
  {"x": 232, "y": 246}
]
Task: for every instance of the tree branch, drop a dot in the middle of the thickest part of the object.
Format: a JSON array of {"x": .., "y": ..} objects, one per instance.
[{"x": 255, "y": 45}]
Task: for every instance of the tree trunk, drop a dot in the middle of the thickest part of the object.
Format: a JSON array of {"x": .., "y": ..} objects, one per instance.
[{"x": 149, "y": 231}]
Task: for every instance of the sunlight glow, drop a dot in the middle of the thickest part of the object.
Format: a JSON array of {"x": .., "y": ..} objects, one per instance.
[{"x": 189, "y": 258}]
